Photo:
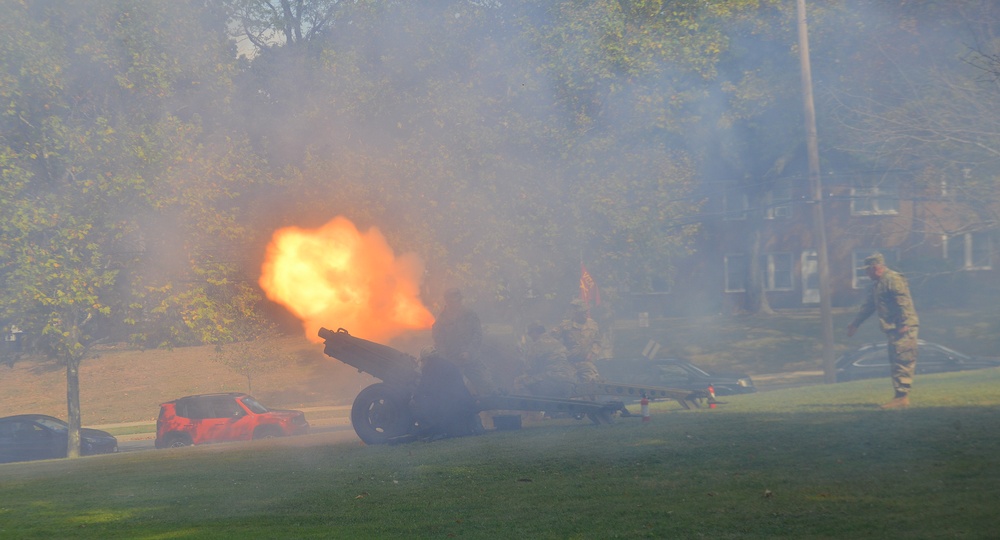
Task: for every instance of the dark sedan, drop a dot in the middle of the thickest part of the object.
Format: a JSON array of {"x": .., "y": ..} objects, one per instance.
[
  {"x": 673, "y": 373},
  {"x": 872, "y": 361},
  {"x": 27, "y": 437}
]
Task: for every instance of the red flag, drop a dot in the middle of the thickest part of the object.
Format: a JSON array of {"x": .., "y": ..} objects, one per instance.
[{"x": 587, "y": 285}]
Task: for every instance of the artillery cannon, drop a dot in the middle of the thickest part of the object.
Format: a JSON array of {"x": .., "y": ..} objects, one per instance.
[
  {"x": 410, "y": 401},
  {"x": 433, "y": 400}
]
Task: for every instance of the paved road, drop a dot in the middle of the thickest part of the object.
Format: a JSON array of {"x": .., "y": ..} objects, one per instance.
[
  {"x": 338, "y": 429},
  {"x": 793, "y": 379},
  {"x": 335, "y": 429},
  {"x": 317, "y": 435}
]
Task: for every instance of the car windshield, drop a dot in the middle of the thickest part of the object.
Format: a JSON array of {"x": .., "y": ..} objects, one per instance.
[
  {"x": 694, "y": 368},
  {"x": 51, "y": 423},
  {"x": 851, "y": 356},
  {"x": 953, "y": 353},
  {"x": 254, "y": 405}
]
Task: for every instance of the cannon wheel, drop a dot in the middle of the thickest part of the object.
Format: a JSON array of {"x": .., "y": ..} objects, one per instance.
[{"x": 380, "y": 414}]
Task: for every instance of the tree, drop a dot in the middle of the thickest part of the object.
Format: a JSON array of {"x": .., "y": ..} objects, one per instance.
[
  {"x": 923, "y": 62},
  {"x": 93, "y": 111},
  {"x": 921, "y": 107},
  {"x": 266, "y": 23},
  {"x": 251, "y": 343},
  {"x": 57, "y": 274}
]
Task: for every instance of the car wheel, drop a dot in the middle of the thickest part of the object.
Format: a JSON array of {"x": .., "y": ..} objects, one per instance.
[
  {"x": 266, "y": 433},
  {"x": 380, "y": 414},
  {"x": 178, "y": 441}
]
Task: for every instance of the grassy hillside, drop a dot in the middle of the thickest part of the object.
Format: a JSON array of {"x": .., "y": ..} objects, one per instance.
[
  {"x": 124, "y": 385},
  {"x": 814, "y": 462},
  {"x": 792, "y": 339}
]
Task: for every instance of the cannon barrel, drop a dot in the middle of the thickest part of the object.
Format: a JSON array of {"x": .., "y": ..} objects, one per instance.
[{"x": 396, "y": 368}]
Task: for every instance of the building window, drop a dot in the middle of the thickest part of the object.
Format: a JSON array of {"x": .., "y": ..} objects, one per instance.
[
  {"x": 659, "y": 284},
  {"x": 777, "y": 269},
  {"x": 779, "y": 200},
  {"x": 876, "y": 197},
  {"x": 969, "y": 251},
  {"x": 735, "y": 204},
  {"x": 736, "y": 272},
  {"x": 861, "y": 279}
]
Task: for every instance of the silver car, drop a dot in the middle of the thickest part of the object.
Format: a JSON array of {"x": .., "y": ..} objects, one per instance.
[{"x": 872, "y": 361}]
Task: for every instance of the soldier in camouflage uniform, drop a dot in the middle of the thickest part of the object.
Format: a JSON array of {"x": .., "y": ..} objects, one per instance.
[
  {"x": 889, "y": 296},
  {"x": 547, "y": 369},
  {"x": 441, "y": 402},
  {"x": 458, "y": 337},
  {"x": 579, "y": 335}
]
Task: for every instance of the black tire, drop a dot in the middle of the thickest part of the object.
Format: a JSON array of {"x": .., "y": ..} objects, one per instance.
[
  {"x": 380, "y": 414},
  {"x": 266, "y": 432},
  {"x": 177, "y": 440}
]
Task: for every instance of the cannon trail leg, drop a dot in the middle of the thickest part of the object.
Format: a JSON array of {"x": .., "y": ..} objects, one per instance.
[
  {"x": 601, "y": 417},
  {"x": 380, "y": 414}
]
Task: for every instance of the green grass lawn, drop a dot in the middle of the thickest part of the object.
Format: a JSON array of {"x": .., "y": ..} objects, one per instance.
[{"x": 811, "y": 462}]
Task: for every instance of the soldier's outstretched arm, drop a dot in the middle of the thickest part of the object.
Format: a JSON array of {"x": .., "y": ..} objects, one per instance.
[{"x": 864, "y": 312}]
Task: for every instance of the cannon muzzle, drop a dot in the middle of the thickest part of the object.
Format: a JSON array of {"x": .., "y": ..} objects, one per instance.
[
  {"x": 326, "y": 333},
  {"x": 396, "y": 368}
]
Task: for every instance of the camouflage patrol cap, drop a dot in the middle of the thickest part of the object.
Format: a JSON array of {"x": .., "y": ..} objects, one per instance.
[
  {"x": 578, "y": 304},
  {"x": 873, "y": 259}
]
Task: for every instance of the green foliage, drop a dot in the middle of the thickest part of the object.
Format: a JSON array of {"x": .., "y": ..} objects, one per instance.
[
  {"x": 101, "y": 168},
  {"x": 503, "y": 142}
]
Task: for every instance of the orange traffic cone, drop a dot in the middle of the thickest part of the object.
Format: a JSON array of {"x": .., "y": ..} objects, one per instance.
[{"x": 644, "y": 407}]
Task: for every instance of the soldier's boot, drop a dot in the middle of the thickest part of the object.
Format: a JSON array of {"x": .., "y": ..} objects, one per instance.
[{"x": 901, "y": 402}]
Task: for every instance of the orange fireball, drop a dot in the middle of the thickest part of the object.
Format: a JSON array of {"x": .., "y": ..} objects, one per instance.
[{"x": 338, "y": 277}]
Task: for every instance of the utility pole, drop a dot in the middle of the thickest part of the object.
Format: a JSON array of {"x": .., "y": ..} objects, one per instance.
[{"x": 819, "y": 222}]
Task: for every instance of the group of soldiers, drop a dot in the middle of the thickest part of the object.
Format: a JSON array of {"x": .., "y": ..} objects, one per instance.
[
  {"x": 553, "y": 360},
  {"x": 556, "y": 360}
]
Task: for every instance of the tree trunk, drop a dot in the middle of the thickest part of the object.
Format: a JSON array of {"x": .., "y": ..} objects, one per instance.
[
  {"x": 755, "y": 297},
  {"x": 73, "y": 406}
]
